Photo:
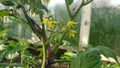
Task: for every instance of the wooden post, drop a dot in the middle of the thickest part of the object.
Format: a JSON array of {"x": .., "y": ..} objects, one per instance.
[{"x": 85, "y": 26}]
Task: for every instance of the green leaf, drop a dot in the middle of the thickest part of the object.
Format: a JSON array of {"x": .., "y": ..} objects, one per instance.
[
  {"x": 69, "y": 2},
  {"x": 68, "y": 55},
  {"x": 4, "y": 12},
  {"x": 87, "y": 59},
  {"x": 91, "y": 58},
  {"x": 107, "y": 52},
  {"x": 7, "y": 2}
]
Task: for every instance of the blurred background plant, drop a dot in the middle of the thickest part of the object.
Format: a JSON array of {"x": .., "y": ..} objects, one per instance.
[{"x": 105, "y": 28}]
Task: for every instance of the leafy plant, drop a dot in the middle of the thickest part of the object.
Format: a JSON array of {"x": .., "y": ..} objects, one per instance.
[
  {"x": 91, "y": 58},
  {"x": 68, "y": 56}
]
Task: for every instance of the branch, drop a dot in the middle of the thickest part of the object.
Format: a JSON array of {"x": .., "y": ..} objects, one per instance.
[
  {"x": 56, "y": 47},
  {"x": 81, "y": 5},
  {"x": 87, "y": 2},
  {"x": 68, "y": 9},
  {"x": 35, "y": 27}
]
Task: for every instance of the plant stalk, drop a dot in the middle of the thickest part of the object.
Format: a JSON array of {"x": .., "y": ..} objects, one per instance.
[
  {"x": 43, "y": 42},
  {"x": 44, "y": 47},
  {"x": 81, "y": 5},
  {"x": 77, "y": 10},
  {"x": 56, "y": 47},
  {"x": 44, "y": 55},
  {"x": 68, "y": 9}
]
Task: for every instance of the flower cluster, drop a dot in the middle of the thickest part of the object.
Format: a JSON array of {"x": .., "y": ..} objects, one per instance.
[
  {"x": 70, "y": 24},
  {"x": 68, "y": 27},
  {"x": 51, "y": 24}
]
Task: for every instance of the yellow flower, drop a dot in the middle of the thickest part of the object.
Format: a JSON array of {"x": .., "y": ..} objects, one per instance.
[
  {"x": 45, "y": 21},
  {"x": 52, "y": 24},
  {"x": 63, "y": 28},
  {"x": 70, "y": 24},
  {"x": 72, "y": 33}
]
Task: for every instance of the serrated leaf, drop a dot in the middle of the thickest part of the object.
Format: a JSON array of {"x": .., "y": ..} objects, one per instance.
[
  {"x": 69, "y": 2},
  {"x": 7, "y": 2}
]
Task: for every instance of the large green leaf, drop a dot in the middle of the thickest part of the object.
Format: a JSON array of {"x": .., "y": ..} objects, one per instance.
[
  {"x": 87, "y": 59},
  {"x": 107, "y": 52},
  {"x": 69, "y": 2},
  {"x": 91, "y": 58}
]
